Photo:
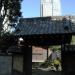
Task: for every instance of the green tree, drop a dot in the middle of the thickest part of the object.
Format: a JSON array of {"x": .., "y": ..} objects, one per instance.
[
  {"x": 9, "y": 18},
  {"x": 9, "y": 13}
]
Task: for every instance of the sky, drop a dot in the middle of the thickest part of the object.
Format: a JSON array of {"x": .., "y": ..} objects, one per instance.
[{"x": 31, "y": 8}]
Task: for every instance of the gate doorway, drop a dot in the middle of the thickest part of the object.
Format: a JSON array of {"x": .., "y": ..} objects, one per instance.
[{"x": 46, "y": 58}]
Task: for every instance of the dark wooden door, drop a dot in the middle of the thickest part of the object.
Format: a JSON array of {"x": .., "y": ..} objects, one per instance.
[{"x": 68, "y": 59}]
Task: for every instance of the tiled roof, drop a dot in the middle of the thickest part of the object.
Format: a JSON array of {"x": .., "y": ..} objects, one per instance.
[{"x": 46, "y": 25}]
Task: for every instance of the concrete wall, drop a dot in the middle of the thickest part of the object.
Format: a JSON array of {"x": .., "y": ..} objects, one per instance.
[{"x": 5, "y": 65}]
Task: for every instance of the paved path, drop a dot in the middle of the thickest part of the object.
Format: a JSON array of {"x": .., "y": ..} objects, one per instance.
[{"x": 42, "y": 72}]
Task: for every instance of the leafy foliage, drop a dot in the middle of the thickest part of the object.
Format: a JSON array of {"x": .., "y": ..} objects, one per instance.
[
  {"x": 11, "y": 9},
  {"x": 56, "y": 47},
  {"x": 13, "y": 5}
]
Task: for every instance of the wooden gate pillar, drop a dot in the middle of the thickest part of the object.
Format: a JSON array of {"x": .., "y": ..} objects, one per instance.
[{"x": 27, "y": 63}]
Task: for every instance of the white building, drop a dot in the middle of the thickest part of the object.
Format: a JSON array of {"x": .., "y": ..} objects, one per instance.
[{"x": 50, "y": 8}]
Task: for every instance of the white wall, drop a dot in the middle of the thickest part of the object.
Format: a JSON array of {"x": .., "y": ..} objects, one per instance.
[{"x": 39, "y": 54}]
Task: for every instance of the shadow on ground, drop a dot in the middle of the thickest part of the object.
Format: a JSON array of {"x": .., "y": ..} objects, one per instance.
[{"x": 41, "y": 72}]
